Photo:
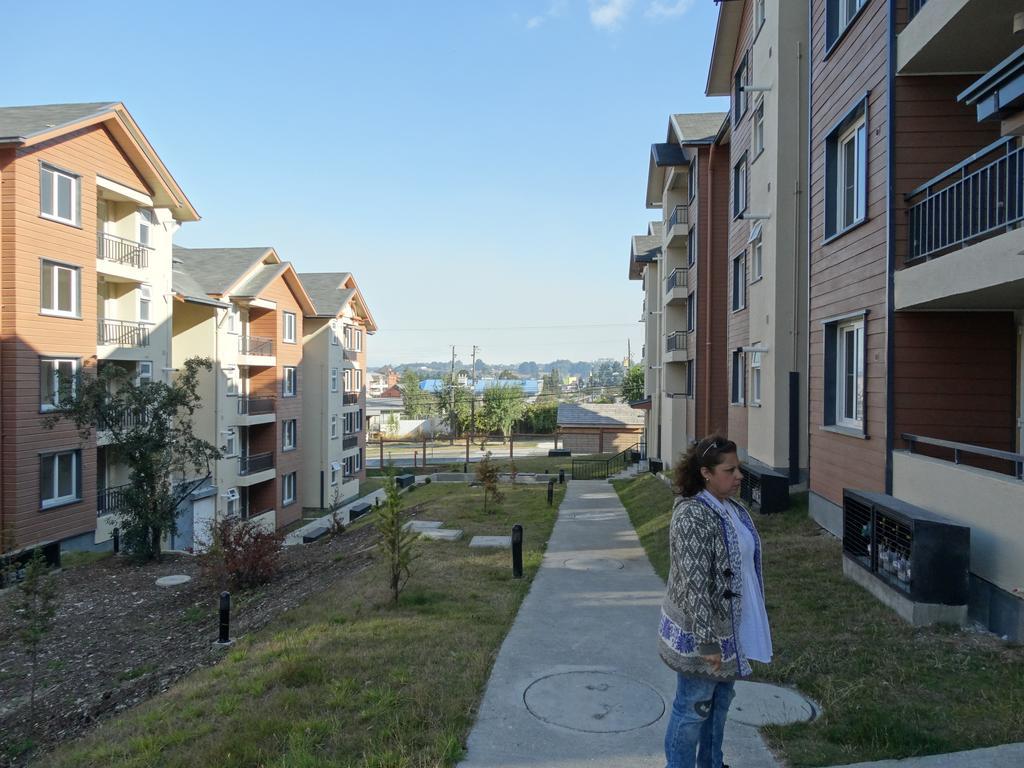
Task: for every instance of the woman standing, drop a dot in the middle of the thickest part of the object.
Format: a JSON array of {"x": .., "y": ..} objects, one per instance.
[{"x": 713, "y": 619}]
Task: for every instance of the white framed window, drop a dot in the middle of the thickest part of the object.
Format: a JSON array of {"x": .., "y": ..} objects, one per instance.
[
  {"x": 233, "y": 320},
  {"x": 759, "y": 14},
  {"x": 691, "y": 312},
  {"x": 739, "y": 282},
  {"x": 59, "y": 289},
  {"x": 145, "y": 301},
  {"x": 144, "y": 372},
  {"x": 739, "y": 377},
  {"x": 288, "y": 430},
  {"x": 348, "y": 379},
  {"x": 334, "y": 425},
  {"x": 53, "y": 373},
  {"x": 358, "y": 426},
  {"x": 145, "y": 220},
  {"x": 755, "y": 378},
  {"x": 759, "y": 128},
  {"x": 58, "y": 478},
  {"x": 335, "y": 469},
  {"x": 756, "y": 253},
  {"x": 349, "y": 423},
  {"x": 230, "y": 443},
  {"x": 357, "y": 461},
  {"x": 691, "y": 179},
  {"x": 232, "y": 497},
  {"x": 334, "y": 379},
  {"x": 348, "y": 464},
  {"x": 59, "y": 195},
  {"x": 359, "y": 340},
  {"x": 334, "y": 333},
  {"x": 357, "y": 379},
  {"x": 289, "y": 382},
  {"x": 846, "y": 172},
  {"x": 850, "y": 374},
  {"x": 288, "y": 489},
  {"x": 740, "y": 177},
  {"x": 739, "y": 95},
  {"x": 234, "y": 384},
  {"x": 289, "y": 327},
  {"x": 838, "y": 15}
]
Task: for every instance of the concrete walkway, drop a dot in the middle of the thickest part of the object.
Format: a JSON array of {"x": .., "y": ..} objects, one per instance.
[
  {"x": 578, "y": 681},
  {"x": 1005, "y": 756}
]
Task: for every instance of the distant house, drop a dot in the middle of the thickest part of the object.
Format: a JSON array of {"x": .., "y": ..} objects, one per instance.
[{"x": 599, "y": 428}]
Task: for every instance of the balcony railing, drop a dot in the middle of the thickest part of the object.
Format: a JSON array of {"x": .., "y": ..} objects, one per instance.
[
  {"x": 258, "y": 462},
  {"x": 111, "y": 500},
  {"x": 676, "y": 278},
  {"x": 351, "y": 441},
  {"x": 974, "y": 199},
  {"x": 676, "y": 342},
  {"x": 255, "y": 406},
  {"x": 350, "y": 398},
  {"x": 914, "y": 7},
  {"x": 679, "y": 215},
  {"x": 255, "y": 345},
  {"x": 126, "y": 420},
  {"x": 119, "y": 250},
  {"x": 122, "y": 333},
  {"x": 350, "y": 354},
  {"x": 998, "y": 461}
]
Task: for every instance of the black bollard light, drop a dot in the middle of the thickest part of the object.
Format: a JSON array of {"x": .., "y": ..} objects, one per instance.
[
  {"x": 551, "y": 492},
  {"x": 225, "y": 618},
  {"x": 117, "y": 540},
  {"x": 517, "y": 551},
  {"x": 561, "y": 477}
]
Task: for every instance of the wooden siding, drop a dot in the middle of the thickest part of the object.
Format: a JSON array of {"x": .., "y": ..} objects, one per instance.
[
  {"x": 25, "y": 334},
  {"x": 712, "y": 368},
  {"x": 848, "y": 274}
]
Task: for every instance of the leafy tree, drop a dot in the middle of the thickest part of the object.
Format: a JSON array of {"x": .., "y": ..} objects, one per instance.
[
  {"x": 454, "y": 404},
  {"x": 552, "y": 382},
  {"x": 633, "y": 384},
  {"x": 507, "y": 374},
  {"x": 487, "y": 473},
  {"x": 415, "y": 400},
  {"x": 501, "y": 407},
  {"x": 396, "y": 542},
  {"x": 539, "y": 418},
  {"x": 33, "y": 610},
  {"x": 150, "y": 425}
]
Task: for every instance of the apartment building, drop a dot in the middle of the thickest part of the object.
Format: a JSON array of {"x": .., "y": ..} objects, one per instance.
[
  {"x": 87, "y": 215},
  {"x": 644, "y": 260},
  {"x": 916, "y": 297},
  {"x": 245, "y": 309},
  {"x": 685, "y": 284},
  {"x": 334, "y": 389},
  {"x": 759, "y": 61}
]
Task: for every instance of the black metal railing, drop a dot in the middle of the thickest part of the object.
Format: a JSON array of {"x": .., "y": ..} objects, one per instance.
[
  {"x": 350, "y": 442},
  {"x": 120, "y": 250},
  {"x": 914, "y": 8},
  {"x": 122, "y": 333},
  {"x": 258, "y": 462},
  {"x": 676, "y": 342},
  {"x": 679, "y": 215},
  {"x": 126, "y": 420},
  {"x": 255, "y": 406},
  {"x": 350, "y": 398},
  {"x": 111, "y": 500},
  {"x": 601, "y": 469},
  {"x": 676, "y": 278},
  {"x": 350, "y": 354},
  {"x": 974, "y": 199},
  {"x": 255, "y": 345},
  {"x": 1012, "y": 461}
]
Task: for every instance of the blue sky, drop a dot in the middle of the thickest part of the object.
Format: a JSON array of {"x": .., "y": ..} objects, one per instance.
[{"x": 479, "y": 166}]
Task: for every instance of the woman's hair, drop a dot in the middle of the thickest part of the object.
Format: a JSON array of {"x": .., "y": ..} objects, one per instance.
[{"x": 704, "y": 453}]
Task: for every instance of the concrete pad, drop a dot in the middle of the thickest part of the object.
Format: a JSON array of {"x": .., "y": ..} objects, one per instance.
[
  {"x": 1005, "y": 756},
  {"x": 594, "y": 702},
  {"x": 502, "y": 542},
  {"x": 173, "y": 581},
  {"x": 441, "y": 534},
  {"x": 766, "y": 704},
  {"x": 422, "y": 525},
  {"x": 593, "y": 564}
]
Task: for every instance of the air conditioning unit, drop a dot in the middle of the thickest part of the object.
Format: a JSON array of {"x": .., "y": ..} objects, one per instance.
[
  {"x": 231, "y": 494},
  {"x": 913, "y": 560},
  {"x": 764, "y": 489}
]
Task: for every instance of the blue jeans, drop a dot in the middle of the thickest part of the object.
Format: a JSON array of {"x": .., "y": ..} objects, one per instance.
[{"x": 697, "y": 724}]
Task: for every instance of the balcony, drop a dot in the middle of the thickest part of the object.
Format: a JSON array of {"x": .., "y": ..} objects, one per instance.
[
  {"x": 122, "y": 333},
  {"x": 676, "y": 347},
  {"x": 256, "y": 410},
  {"x": 350, "y": 354},
  {"x": 350, "y": 442},
  {"x": 675, "y": 287},
  {"x": 255, "y": 468},
  {"x": 677, "y": 227},
  {"x": 955, "y": 36},
  {"x": 256, "y": 351},
  {"x": 967, "y": 219},
  {"x": 350, "y": 398},
  {"x": 111, "y": 501},
  {"x": 120, "y": 256},
  {"x": 127, "y": 420}
]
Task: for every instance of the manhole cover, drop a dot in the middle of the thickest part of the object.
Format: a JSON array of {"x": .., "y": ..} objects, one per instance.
[
  {"x": 594, "y": 702},
  {"x": 594, "y": 515},
  {"x": 593, "y": 564},
  {"x": 173, "y": 581},
  {"x": 765, "y": 704}
]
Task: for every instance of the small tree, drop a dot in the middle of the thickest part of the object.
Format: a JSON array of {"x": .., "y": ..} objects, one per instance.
[
  {"x": 502, "y": 406},
  {"x": 416, "y": 402},
  {"x": 453, "y": 404},
  {"x": 34, "y": 609},
  {"x": 487, "y": 474},
  {"x": 396, "y": 542},
  {"x": 150, "y": 423},
  {"x": 242, "y": 554},
  {"x": 633, "y": 384}
]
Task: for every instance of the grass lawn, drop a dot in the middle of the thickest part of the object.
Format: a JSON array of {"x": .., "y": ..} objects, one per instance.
[
  {"x": 888, "y": 690},
  {"x": 346, "y": 679}
]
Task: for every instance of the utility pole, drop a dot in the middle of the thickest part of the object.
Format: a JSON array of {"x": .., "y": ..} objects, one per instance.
[
  {"x": 629, "y": 353},
  {"x": 451, "y": 393},
  {"x": 472, "y": 402}
]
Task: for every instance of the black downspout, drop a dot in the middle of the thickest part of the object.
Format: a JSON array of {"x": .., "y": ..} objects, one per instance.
[{"x": 890, "y": 342}]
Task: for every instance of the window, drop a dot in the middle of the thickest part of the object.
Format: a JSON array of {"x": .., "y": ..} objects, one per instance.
[
  {"x": 232, "y": 502},
  {"x": 691, "y": 246},
  {"x": 349, "y": 423},
  {"x": 234, "y": 384},
  {"x": 289, "y": 382},
  {"x": 691, "y": 311},
  {"x": 740, "y": 177},
  {"x": 756, "y": 253},
  {"x": 357, "y": 461},
  {"x": 334, "y": 379},
  {"x": 144, "y": 372},
  {"x": 755, "y": 378},
  {"x": 359, "y": 421},
  {"x": 58, "y": 478},
  {"x": 334, "y": 426},
  {"x": 846, "y": 173},
  {"x": 145, "y": 218},
  {"x": 288, "y": 489},
  {"x": 759, "y": 14},
  {"x": 348, "y": 379},
  {"x": 56, "y": 378},
  {"x": 59, "y": 193},
  {"x": 289, "y": 327},
  {"x": 357, "y": 379},
  {"x": 739, "y": 282},
  {"x": 288, "y": 428},
  {"x": 230, "y": 442},
  {"x": 349, "y": 464},
  {"x": 739, "y": 97},
  {"x": 691, "y": 179},
  {"x": 145, "y": 298},
  {"x": 845, "y": 351},
  {"x": 234, "y": 320},
  {"x": 359, "y": 340},
  {"x": 759, "y": 129},
  {"x": 58, "y": 289},
  {"x": 335, "y": 468},
  {"x": 838, "y": 15},
  {"x": 689, "y": 376},
  {"x": 738, "y": 377},
  {"x": 334, "y": 333}
]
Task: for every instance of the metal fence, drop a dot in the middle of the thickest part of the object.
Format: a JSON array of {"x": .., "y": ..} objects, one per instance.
[{"x": 122, "y": 333}]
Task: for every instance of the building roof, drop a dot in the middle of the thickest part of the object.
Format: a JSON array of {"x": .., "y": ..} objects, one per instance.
[
  {"x": 215, "y": 270},
  {"x": 187, "y": 288},
  {"x": 598, "y": 415},
  {"x": 697, "y": 127},
  {"x": 669, "y": 154},
  {"x": 727, "y": 33},
  {"x": 684, "y": 130},
  {"x": 644, "y": 249},
  {"x": 328, "y": 291},
  {"x": 17, "y": 124},
  {"x": 257, "y": 281}
]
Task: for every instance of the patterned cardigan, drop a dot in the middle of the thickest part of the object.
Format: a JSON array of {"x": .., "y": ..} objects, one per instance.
[{"x": 701, "y": 611}]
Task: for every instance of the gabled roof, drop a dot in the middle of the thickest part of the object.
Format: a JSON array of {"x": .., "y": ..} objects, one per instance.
[
  {"x": 218, "y": 269},
  {"x": 696, "y": 127},
  {"x": 598, "y": 415},
  {"x": 30, "y": 125},
  {"x": 723, "y": 52},
  {"x": 685, "y": 131},
  {"x": 644, "y": 249},
  {"x": 186, "y": 288},
  {"x": 331, "y": 292}
]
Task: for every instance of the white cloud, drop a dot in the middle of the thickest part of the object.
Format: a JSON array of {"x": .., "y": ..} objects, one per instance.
[
  {"x": 534, "y": 22},
  {"x": 608, "y": 14},
  {"x": 659, "y": 9},
  {"x": 555, "y": 9}
]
